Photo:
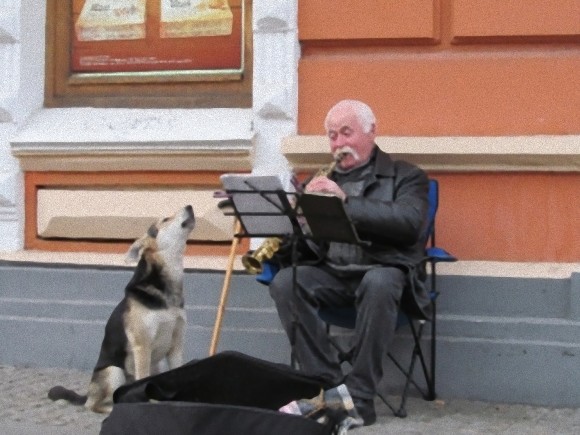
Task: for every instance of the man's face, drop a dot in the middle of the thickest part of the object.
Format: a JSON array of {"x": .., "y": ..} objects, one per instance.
[{"x": 347, "y": 135}]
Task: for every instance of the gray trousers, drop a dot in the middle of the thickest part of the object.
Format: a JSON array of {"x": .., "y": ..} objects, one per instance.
[{"x": 375, "y": 294}]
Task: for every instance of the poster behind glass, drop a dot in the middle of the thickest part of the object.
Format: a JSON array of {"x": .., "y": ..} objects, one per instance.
[{"x": 140, "y": 36}]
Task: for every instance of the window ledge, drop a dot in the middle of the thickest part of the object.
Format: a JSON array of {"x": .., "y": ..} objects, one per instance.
[{"x": 77, "y": 139}]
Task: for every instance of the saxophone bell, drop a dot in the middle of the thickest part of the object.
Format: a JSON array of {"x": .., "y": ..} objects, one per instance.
[{"x": 252, "y": 261}]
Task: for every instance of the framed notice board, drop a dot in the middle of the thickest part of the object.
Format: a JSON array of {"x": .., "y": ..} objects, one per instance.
[{"x": 149, "y": 53}]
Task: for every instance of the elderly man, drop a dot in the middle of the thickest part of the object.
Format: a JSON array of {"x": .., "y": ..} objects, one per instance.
[{"x": 387, "y": 203}]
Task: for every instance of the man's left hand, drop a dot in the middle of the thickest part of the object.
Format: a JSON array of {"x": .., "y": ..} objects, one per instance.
[{"x": 325, "y": 186}]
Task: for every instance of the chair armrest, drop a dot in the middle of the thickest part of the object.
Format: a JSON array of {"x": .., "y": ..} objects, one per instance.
[{"x": 438, "y": 255}]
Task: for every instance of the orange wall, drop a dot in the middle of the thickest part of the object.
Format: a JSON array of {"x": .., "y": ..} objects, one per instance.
[
  {"x": 444, "y": 67},
  {"x": 510, "y": 216},
  {"x": 460, "y": 68}
]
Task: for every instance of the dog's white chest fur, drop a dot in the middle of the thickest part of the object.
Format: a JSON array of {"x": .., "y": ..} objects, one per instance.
[
  {"x": 161, "y": 326},
  {"x": 155, "y": 335}
]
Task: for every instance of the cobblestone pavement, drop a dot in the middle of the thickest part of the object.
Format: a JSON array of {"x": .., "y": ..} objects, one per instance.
[
  {"x": 24, "y": 403},
  {"x": 26, "y": 410}
]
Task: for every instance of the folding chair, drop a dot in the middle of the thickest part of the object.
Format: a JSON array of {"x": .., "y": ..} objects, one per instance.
[{"x": 345, "y": 317}]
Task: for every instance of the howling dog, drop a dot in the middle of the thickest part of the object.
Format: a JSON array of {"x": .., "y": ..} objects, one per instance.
[{"x": 147, "y": 326}]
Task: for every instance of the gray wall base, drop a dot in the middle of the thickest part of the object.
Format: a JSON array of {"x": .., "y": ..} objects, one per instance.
[{"x": 499, "y": 339}]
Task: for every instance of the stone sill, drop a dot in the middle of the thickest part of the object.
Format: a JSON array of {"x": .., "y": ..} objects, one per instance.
[
  {"x": 92, "y": 259},
  {"x": 91, "y": 139},
  {"x": 518, "y": 153},
  {"x": 219, "y": 263}
]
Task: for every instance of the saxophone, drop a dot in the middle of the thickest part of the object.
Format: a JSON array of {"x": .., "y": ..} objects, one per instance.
[{"x": 252, "y": 261}]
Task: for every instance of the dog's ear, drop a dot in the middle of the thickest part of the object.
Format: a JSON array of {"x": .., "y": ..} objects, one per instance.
[
  {"x": 134, "y": 251},
  {"x": 153, "y": 231}
]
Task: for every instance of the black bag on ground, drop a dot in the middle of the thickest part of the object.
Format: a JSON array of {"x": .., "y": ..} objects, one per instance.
[{"x": 228, "y": 393}]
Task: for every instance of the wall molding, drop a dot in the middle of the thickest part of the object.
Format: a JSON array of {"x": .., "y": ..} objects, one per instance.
[
  {"x": 275, "y": 92},
  {"x": 9, "y": 59},
  {"x": 90, "y": 139},
  {"x": 9, "y": 29},
  {"x": 504, "y": 153}
]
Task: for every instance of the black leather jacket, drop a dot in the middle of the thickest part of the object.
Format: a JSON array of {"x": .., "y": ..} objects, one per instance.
[{"x": 391, "y": 214}]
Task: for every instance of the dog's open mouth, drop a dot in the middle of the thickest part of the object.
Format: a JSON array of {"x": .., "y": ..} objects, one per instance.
[{"x": 189, "y": 221}]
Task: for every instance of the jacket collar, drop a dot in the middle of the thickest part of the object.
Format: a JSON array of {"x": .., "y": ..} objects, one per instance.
[{"x": 384, "y": 165}]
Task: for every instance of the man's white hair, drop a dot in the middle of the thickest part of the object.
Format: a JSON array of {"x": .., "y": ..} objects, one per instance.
[{"x": 362, "y": 111}]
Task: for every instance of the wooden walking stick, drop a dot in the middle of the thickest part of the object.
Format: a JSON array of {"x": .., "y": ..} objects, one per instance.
[{"x": 225, "y": 291}]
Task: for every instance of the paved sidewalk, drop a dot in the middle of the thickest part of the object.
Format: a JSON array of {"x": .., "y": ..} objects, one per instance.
[{"x": 26, "y": 410}]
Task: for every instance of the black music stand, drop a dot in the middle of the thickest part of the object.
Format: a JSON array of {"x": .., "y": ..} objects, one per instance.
[
  {"x": 327, "y": 219},
  {"x": 263, "y": 208},
  {"x": 261, "y": 205}
]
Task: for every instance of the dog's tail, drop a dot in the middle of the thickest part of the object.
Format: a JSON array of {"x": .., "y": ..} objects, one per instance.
[{"x": 59, "y": 392}]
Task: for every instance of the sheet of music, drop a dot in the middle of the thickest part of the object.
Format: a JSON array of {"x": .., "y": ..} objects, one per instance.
[{"x": 261, "y": 210}]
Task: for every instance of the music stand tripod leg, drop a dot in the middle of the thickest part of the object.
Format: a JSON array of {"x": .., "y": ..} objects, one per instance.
[
  {"x": 225, "y": 291},
  {"x": 294, "y": 258}
]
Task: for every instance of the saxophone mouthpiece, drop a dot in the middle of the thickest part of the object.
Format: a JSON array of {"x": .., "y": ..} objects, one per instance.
[{"x": 339, "y": 156}]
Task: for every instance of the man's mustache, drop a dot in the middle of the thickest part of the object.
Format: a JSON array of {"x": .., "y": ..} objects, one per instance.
[{"x": 342, "y": 152}]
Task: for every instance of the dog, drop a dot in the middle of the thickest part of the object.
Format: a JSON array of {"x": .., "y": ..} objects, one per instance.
[{"x": 146, "y": 328}]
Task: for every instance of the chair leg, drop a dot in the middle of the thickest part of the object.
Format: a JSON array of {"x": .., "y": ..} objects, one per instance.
[
  {"x": 428, "y": 373},
  {"x": 431, "y": 395},
  {"x": 396, "y": 412},
  {"x": 405, "y": 372},
  {"x": 402, "y": 412},
  {"x": 428, "y": 369}
]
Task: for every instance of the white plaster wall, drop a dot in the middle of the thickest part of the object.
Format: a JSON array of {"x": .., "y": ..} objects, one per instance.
[
  {"x": 275, "y": 87},
  {"x": 22, "y": 44},
  {"x": 21, "y": 90}
]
